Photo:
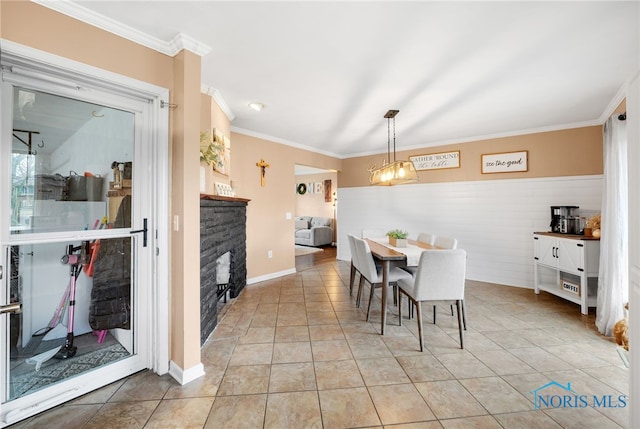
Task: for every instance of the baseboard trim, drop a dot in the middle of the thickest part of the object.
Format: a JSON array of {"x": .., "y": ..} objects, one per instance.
[
  {"x": 183, "y": 376},
  {"x": 271, "y": 276}
]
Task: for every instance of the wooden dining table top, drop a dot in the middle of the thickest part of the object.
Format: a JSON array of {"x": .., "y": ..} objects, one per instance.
[{"x": 387, "y": 253}]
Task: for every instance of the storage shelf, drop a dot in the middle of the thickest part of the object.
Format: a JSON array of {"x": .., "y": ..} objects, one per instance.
[
  {"x": 555, "y": 289},
  {"x": 569, "y": 259}
]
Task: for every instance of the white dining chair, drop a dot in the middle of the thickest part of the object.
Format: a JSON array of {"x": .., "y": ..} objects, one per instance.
[
  {"x": 443, "y": 242},
  {"x": 423, "y": 237},
  {"x": 373, "y": 233},
  {"x": 427, "y": 238},
  {"x": 440, "y": 277},
  {"x": 372, "y": 273},
  {"x": 354, "y": 262}
]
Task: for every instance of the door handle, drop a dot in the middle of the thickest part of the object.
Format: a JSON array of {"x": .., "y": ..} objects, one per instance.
[
  {"x": 143, "y": 231},
  {"x": 14, "y": 307}
]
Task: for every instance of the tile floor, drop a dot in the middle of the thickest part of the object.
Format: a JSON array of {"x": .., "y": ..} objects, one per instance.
[{"x": 295, "y": 352}]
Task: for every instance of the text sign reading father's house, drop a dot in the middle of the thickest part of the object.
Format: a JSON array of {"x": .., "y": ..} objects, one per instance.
[
  {"x": 434, "y": 161},
  {"x": 504, "y": 162}
]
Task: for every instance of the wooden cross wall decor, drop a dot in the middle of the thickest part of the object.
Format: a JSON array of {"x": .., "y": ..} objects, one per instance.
[{"x": 263, "y": 169}]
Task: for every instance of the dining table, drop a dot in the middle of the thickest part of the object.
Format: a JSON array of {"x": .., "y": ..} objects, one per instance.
[{"x": 387, "y": 255}]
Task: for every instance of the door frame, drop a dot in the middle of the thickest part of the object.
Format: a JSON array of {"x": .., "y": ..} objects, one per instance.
[{"x": 41, "y": 66}]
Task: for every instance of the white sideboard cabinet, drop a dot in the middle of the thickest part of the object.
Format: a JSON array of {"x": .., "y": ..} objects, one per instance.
[{"x": 567, "y": 266}]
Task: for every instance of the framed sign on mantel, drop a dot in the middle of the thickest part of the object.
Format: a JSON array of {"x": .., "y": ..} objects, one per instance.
[
  {"x": 436, "y": 161},
  {"x": 508, "y": 162}
]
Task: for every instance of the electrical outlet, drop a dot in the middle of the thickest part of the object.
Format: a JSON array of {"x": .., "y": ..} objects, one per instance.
[
  {"x": 288, "y": 215},
  {"x": 270, "y": 254}
]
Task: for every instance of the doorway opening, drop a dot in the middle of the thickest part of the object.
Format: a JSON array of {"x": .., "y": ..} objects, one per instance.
[{"x": 315, "y": 216}]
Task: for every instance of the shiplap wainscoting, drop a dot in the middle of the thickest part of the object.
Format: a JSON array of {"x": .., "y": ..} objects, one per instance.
[{"x": 493, "y": 220}]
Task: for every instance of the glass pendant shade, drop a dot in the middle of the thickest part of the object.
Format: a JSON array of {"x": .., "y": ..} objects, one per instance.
[{"x": 396, "y": 172}]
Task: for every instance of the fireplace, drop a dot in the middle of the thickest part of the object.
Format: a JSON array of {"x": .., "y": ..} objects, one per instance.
[{"x": 223, "y": 246}]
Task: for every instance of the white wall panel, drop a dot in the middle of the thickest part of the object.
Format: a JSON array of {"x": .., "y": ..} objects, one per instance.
[{"x": 493, "y": 220}]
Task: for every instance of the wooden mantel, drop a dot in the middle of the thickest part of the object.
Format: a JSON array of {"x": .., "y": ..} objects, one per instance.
[{"x": 222, "y": 198}]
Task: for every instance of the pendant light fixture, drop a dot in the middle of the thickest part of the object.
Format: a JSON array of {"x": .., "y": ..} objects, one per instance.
[{"x": 396, "y": 172}]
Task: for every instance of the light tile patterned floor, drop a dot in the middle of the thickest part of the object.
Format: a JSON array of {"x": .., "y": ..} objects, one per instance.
[{"x": 295, "y": 352}]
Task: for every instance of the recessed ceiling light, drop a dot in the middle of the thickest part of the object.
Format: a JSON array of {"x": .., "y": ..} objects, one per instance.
[{"x": 256, "y": 106}]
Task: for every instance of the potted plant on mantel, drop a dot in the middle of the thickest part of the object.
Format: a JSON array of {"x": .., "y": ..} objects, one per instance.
[
  {"x": 398, "y": 237},
  {"x": 210, "y": 151},
  {"x": 210, "y": 155}
]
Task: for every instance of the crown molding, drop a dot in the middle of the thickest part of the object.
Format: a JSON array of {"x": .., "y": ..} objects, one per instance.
[
  {"x": 619, "y": 97},
  {"x": 286, "y": 142},
  {"x": 182, "y": 41},
  {"x": 81, "y": 13},
  {"x": 217, "y": 96}
]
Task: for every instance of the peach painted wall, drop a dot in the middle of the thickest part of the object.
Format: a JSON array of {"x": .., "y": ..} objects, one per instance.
[
  {"x": 267, "y": 226},
  {"x": 36, "y": 26},
  {"x": 572, "y": 152},
  {"x": 185, "y": 197}
]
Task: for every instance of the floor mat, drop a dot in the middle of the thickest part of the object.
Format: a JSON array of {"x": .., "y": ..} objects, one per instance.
[
  {"x": 306, "y": 250},
  {"x": 27, "y": 380}
]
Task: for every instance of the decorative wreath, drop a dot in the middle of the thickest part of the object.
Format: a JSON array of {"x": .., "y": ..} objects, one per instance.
[{"x": 302, "y": 189}]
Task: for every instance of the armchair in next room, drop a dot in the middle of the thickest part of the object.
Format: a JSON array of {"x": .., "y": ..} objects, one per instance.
[{"x": 313, "y": 230}]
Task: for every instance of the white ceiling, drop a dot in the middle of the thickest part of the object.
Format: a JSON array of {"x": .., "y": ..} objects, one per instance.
[{"x": 328, "y": 71}]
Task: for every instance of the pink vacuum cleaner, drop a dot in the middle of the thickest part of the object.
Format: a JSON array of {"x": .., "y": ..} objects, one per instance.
[{"x": 75, "y": 261}]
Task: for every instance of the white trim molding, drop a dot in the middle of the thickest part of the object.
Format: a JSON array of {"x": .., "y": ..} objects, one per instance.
[
  {"x": 81, "y": 13},
  {"x": 217, "y": 96},
  {"x": 184, "y": 376},
  {"x": 182, "y": 41},
  {"x": 270, "y": 276}
]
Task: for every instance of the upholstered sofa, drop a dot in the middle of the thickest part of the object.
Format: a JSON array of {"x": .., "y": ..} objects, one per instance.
[{"x": 313, "y": 230}]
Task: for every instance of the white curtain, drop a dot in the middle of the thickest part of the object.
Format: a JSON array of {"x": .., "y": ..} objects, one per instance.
[{"x": 613, "y": 285}]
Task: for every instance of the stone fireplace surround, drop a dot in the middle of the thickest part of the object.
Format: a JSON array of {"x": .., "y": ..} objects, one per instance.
[{"x": 223, "y": 228}]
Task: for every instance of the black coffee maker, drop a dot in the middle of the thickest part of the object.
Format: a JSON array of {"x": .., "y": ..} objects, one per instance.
[{"x": 564, "y": 219}]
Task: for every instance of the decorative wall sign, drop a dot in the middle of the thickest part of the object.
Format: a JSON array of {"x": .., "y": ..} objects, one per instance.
[
  {"x": 327, "y": 191},
  {"x": 436, "y": 161},
  {"x": 312, "y": 187},
  {"x": 508, "y": 162}
]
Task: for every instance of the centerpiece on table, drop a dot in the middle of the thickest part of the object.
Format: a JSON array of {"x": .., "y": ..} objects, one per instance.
[{"x": 398, "y": 237}]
